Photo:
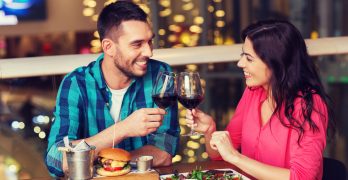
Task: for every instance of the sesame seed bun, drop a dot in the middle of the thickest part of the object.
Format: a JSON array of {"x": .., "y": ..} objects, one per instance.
[{"x": 115, "y": 154}]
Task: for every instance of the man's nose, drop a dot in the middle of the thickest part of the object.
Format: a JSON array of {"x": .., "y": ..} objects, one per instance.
[{"x": 147, "y": 51}]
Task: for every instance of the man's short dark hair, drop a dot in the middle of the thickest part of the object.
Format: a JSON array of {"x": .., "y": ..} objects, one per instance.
[{"x": 113, "y": 14}]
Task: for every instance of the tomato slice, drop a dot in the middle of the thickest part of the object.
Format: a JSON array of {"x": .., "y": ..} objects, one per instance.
[{"x": 113, "y": 168}]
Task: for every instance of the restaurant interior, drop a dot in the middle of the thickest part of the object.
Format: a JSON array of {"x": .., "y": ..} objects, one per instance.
[{"x": 51, "y": 28}]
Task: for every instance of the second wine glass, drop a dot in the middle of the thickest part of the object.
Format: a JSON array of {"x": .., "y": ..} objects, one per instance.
[{"x": 190, "y": 93}]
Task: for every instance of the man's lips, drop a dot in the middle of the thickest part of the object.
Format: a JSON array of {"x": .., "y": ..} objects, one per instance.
[{"x": 142, "y": 64}]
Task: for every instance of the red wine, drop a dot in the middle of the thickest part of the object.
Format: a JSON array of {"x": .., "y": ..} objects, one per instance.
[
  {"x": 165, "y": 101},
  {"x": 191, "y": 101}
]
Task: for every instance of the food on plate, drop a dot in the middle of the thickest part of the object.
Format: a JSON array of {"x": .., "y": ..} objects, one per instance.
[
  {"x": 198, "y": 174},
  {"x": 113, "y": 162}
]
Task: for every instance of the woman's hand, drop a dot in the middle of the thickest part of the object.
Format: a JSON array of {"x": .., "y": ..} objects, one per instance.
[
  {"x": 221, "y": 142},
  {"x": 201, "y": 122}
]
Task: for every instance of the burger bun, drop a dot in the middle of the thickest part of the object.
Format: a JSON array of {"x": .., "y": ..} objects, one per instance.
[{"x": 115, "y": 154}]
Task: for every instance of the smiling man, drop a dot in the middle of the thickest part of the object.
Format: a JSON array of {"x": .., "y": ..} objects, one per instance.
[{"x": 108, "y": 103}]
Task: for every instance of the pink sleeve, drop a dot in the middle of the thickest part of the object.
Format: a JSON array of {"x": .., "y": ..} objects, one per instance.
[
  {"x": 306, "y": 160},
  {"x": 235, "y": 125}
]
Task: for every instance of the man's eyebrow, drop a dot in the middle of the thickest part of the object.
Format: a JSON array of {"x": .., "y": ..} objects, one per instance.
[{"x": 141, "y": 40}]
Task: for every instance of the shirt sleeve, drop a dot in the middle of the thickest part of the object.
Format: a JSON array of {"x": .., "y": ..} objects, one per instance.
[
  {"x": 167, "y": 136},
  {"x": 235, "y": 125},
  {"x": 306, "y": 159},
  {"x": 66, "y": 123}
]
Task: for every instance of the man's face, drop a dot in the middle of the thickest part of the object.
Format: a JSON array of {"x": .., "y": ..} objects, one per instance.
[{"x": 133, "y": 48}]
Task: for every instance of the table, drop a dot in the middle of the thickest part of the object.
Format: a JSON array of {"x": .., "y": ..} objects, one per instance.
[{"x": 180, "y": 167}]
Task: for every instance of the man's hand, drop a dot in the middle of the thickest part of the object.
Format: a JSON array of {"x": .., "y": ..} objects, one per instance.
[{"x": 143, "y": 121}]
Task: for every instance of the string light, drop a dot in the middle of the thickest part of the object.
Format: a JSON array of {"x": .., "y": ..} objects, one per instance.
[
  {"x": 179, "y": 18},
  {"x": 198, "y": 20},
  {"x": 220, "y": 13},
  {"x": 165, "y": 12},
  {"x": 211, "y": 8},
  {"x": 37, "y": 129},
  {"x": 204, "y": 155},
  {"x": 164, "y": 3},
  {"x": 161, "y": 32},
  {"x": 220, "y": 23},
  {"x": 188, "y": 6}
]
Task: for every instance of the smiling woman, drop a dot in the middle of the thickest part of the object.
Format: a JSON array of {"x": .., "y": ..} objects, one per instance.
[{"x": 284, "y": 110}]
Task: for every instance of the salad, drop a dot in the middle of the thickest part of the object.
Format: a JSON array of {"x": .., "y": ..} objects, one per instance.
[{"x": 199, "y": 174}]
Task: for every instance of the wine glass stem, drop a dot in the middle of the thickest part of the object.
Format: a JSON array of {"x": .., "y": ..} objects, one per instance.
[{"x": 192, "y": 129}]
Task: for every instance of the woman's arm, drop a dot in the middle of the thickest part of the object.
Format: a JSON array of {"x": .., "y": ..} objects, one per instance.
[{"x": 221, "y": 142}]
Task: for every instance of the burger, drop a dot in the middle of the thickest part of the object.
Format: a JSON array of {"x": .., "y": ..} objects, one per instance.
[{"x": 113, "y": 162}]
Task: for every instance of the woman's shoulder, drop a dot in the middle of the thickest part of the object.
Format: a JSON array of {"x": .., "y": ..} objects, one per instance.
[
  {"x": 253, "y": 92},
  {"x": 317, "y": 100}
]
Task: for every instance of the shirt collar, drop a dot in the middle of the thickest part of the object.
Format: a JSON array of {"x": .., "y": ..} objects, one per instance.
[{"x": 97, "y": 72}]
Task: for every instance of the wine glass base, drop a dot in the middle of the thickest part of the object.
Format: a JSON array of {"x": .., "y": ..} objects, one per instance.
[{"x": 193, "y": 134}]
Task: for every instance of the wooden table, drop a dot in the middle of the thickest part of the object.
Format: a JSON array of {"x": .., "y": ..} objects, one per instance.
[{"x": 180, "y": 167}]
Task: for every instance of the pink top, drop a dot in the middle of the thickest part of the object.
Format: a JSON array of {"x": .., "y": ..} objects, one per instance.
[{"x": 275, "y": 144}]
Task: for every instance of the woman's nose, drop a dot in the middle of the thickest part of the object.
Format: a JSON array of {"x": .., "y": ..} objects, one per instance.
[{"x": 241, "y": 62}]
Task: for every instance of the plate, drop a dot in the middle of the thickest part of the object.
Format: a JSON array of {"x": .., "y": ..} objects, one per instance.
[{"x": 219, "y": 171}]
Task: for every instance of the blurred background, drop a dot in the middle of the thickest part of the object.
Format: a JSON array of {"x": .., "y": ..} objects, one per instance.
[{"x": 31, "y": 28}]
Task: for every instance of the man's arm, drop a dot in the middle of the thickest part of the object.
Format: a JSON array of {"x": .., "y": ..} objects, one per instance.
[
  {"x": 166, "y": 138},
  {"x": 160, "y": 157},
  {"x": 147, "y": 120}
]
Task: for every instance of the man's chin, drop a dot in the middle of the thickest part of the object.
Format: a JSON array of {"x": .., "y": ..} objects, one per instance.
[{"x": 138, "y": 73}]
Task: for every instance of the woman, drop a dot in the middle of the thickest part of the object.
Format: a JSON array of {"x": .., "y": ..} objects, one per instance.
[{"x": 279, "y": 127}]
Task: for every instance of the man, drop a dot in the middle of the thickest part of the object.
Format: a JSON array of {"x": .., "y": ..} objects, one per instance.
[{"x": 110, "y": 99}]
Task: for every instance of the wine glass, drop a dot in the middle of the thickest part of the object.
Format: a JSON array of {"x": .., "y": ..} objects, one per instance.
[
  {"x": 164, "y": 91},
  {"x": 190, "y": 93}
]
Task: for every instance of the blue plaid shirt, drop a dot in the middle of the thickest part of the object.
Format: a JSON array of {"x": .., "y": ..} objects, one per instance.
[{"x": 83, "y": 110}]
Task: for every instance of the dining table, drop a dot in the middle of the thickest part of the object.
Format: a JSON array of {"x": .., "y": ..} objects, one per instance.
[{"x": 156, "y": 172}]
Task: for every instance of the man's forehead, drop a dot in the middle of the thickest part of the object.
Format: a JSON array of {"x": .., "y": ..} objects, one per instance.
[{"x": 134, "y": 29}]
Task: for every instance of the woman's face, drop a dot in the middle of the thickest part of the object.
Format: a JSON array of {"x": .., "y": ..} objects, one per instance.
[{"x": 256, "y": 72}]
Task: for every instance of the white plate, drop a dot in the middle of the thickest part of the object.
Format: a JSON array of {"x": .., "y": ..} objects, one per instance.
[{"x": 163, "y": 177}]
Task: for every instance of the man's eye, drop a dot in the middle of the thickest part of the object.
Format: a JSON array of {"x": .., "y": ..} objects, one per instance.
[{"x": 137, "y": 45}]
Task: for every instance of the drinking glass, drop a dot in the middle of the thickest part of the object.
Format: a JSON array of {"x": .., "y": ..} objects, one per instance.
[
  {"x": 190, "y": 93},
  {"x": 164, "y": 91}
]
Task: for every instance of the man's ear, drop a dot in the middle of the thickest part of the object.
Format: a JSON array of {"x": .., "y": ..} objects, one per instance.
[{"x": 108, "y": 47}]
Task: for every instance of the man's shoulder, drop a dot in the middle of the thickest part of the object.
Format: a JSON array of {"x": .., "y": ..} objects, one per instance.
[
  {"x": 156, "y": 65},
  {"x": 80, "y": 73},
  {"x": 154, "y": 62}
]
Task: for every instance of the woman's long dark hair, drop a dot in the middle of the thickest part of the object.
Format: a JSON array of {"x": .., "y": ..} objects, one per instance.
[{"x": 282, "y": 48}]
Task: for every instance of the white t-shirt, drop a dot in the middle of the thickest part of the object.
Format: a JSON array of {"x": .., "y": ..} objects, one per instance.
[{"x": 116, "y": 102}]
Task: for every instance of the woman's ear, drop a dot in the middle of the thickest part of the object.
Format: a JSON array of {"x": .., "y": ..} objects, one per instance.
[{"x": 108, "y": 47}]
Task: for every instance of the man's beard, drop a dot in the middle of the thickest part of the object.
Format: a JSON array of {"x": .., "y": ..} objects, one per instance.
[{"x": 126, "y": 71}]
